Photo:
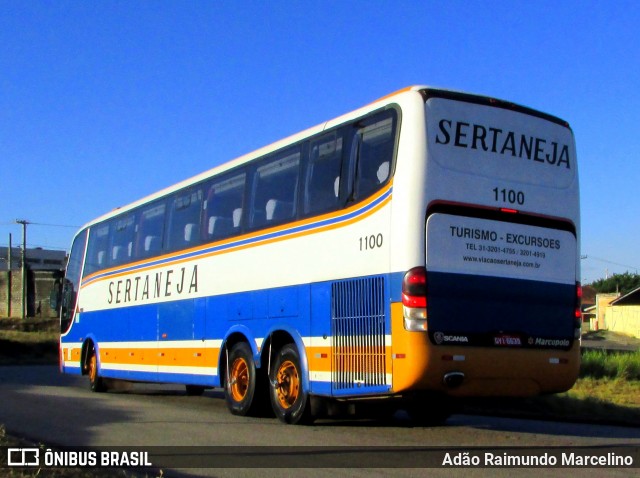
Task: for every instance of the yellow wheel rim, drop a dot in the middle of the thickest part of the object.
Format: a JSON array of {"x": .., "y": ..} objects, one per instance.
[
  {"x": 93, "y": 368},
  {"x": 239, "y": 379},
  {"x": 288, "y": 384}
]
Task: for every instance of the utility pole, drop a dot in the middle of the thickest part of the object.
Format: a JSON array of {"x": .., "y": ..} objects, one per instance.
[
  {"x": 24, "y": 265},
  {"x": 9, "y": 259}
]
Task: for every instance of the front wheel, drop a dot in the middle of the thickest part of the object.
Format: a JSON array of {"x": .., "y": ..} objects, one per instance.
[
  {"x": 96, "y": 383},
  {"x": 289, "y": 400}
]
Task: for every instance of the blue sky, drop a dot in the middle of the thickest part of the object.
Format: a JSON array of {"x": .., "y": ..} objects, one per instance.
[{"x": 102, "y": 103}]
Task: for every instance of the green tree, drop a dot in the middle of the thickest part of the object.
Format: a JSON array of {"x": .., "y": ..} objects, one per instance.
[{"x": 623, "y": 283}]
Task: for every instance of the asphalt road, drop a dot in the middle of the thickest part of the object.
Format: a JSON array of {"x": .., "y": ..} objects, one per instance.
[{"x": 38, "y": 403}]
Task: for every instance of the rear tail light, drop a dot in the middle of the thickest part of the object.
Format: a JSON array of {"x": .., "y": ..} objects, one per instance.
[
  {"x": 414, "y": 299},
  {"x": 414, "y": 288},
  {"x": 578, "y": 311}
]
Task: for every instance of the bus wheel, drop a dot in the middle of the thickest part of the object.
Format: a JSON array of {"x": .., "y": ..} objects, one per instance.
[
  {"x": 240, "y": 387},
  {"x": 289, "y": 400},
  {"x": 96, "y": 382}
]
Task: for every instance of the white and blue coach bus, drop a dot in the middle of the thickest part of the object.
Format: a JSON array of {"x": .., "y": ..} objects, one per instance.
[{"x": 421, "y": 247}]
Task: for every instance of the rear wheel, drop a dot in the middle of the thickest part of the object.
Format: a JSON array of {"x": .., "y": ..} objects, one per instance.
[
  {"x": 96, "y": 383},
  {"x": 242, "y": 389},
  {"x": 289, "y": 400}
]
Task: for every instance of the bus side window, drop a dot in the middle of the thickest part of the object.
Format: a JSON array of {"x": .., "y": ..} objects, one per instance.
[
  {"x": 372, "y": 153},
  {"x": 122, "y": 237},
  {"x": 150, "y": 230},
  {"x": 97, "y": 250},
  {"x": 322, "y": 182},
  {"x": 222, "y": 210},
  {"x": 184, "y": 221},
  {"x": 274, "y": 189}
]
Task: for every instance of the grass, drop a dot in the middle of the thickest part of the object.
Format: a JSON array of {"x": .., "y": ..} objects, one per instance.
[
  {"x": 29, "y": 341},
  {"x": 615, "y": 401},
  {"x": 600, "y": 364},
  {"x": 607, "y": 391},
  {"x": 39, "y": 325},
  {"x": 608, "y": 388},
  {"x": 29, "y": 337},
  {"x": 618, "y": 391}
]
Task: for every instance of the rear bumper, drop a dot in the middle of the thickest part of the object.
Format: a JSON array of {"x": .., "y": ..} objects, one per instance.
[{"x": 418, "y": 364}]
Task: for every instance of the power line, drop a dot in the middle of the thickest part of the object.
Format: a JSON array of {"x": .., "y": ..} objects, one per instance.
[
  {"x": 24, "y": 223},
  {"x": 41, "y": 224},
  {"x": 53, "y": 225},
  {"x": 609, "y": 262},
  {"x": 31, "y": 245}
]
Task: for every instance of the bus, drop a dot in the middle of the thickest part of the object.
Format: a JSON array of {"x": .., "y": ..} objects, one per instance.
[{"x": 418, "y": 250}]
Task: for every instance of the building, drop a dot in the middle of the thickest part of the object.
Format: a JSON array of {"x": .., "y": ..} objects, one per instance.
[
  {"x": 602, "y": 302},
  {"x": 623, "y": 314},
  {"x": 38, "y": 259},
  {"x": 45, "y": 270}
]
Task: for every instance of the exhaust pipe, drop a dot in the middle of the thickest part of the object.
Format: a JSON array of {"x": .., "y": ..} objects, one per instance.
[{"x": 453, "y": 379}]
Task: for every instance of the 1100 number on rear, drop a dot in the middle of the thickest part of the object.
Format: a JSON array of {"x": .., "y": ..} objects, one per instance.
[{"x": 509, "y": 196}]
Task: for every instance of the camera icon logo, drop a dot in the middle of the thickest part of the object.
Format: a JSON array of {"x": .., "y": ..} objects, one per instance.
[{"x": 23, "y": 457}]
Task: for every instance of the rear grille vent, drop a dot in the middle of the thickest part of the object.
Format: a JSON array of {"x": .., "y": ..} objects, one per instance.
[{"x": 358, "y": 329}]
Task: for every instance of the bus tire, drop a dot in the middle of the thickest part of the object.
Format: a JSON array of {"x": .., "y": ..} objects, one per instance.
[
  {"x": 96, "y": 382},
  {"x": 241, "y": 389},
  {"x": 289, "y": 400}
]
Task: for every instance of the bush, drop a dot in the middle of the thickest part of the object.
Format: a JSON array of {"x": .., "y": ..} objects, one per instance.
[{"x": 602, "y": 364}]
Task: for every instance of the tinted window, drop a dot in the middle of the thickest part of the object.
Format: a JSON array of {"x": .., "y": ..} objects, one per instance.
[
  {"x": 98, "y": 249},
  {"x": 184, "y": 226},
  {"x": 372, "y": 152},
  {"x": 274, "y": 188},
  {"x": 150, "y": 230},
  {"x": 122, "y": 237},
  {"x": 223, "y": 207},
  {"x": 322, "y": 184}
]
